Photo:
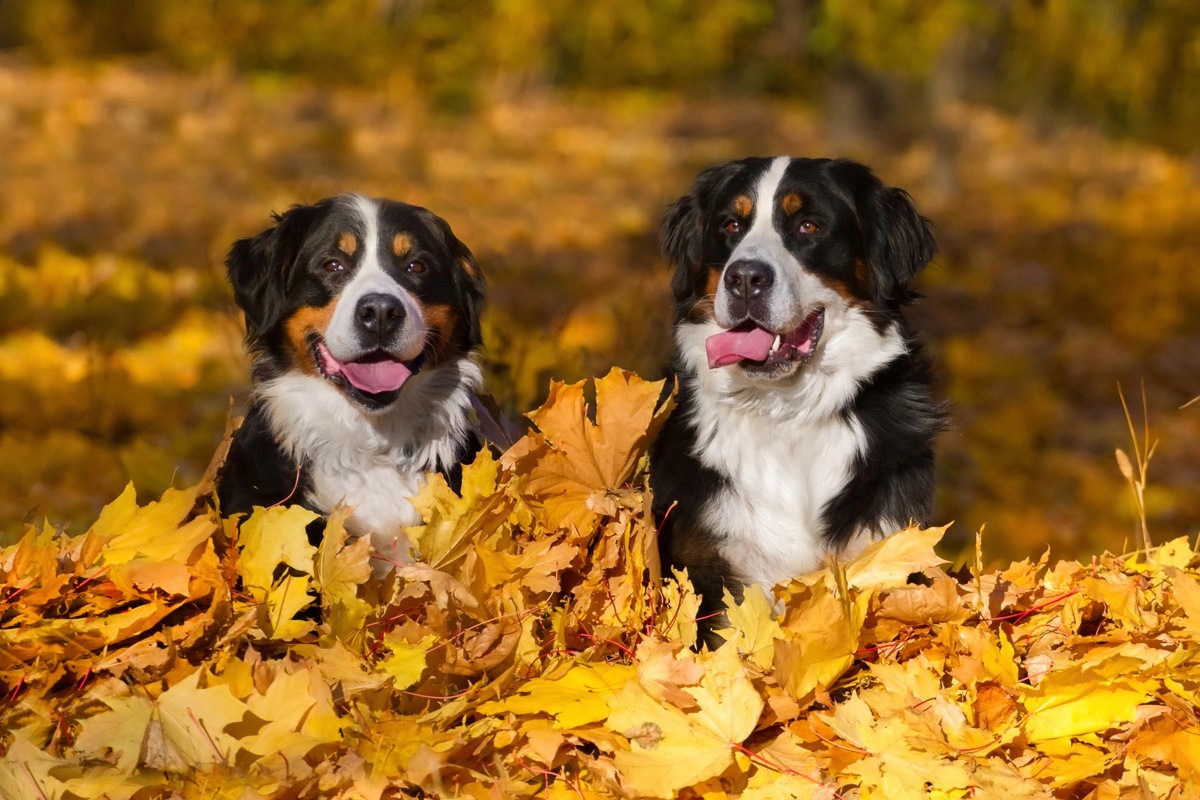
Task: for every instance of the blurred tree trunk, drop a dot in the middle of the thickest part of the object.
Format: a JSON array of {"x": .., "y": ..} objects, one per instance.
[
  {"x": 787, "y": 39},
  {"x": 967, "y": 68}
]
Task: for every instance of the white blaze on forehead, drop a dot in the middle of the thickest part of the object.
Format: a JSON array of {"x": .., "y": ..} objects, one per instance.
[
  {"x": 369, "y": 278},
  {"x": 764, "y": 243}
]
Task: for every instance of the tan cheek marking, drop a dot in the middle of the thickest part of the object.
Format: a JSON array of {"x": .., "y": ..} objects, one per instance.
[
  {"x": 442, "y": 322},
  {"x": 401, "y": 244},
  {"x": 860, "y": 275},
  {"x": 845, "y": 291},
  {"x": 705, "y": 308},
  {"x": 743, "y": 206},
  {"x": 300, "y": 325},
  {"x": 347, "y": 242},
  {"x": 791, "y": 203}
]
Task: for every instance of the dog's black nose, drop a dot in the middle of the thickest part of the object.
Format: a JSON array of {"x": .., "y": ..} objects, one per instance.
[
  {"x": 746, "y": 280},
  {"x": 381, "y": 314}
]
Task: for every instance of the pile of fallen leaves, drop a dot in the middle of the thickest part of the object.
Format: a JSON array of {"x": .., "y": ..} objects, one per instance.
[{"x": 535, "y": 650}]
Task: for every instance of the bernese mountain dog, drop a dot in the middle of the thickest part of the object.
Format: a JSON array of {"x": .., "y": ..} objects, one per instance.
[
  {"x": 806, "y": 415},
  {"x": 362, "y": 319}
]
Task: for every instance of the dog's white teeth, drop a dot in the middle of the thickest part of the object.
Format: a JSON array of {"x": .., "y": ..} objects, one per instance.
[{"x": 775, "y": 345}]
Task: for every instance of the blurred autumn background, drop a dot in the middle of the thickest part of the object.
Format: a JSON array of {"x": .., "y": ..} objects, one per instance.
[{"x": 1053, "y": 142}]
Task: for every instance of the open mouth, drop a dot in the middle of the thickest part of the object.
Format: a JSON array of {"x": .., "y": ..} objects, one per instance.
[
  {"x": 753, "y": 347},
  {"x": 373, "y": 379}
]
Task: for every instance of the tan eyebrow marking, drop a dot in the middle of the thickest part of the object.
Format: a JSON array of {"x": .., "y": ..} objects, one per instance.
[
  {"x": 401, "y": 244},
  {"x": 347, "y": 242},
  {"x": 743, "y": 205},
  {"x": 792, "y": 203}
]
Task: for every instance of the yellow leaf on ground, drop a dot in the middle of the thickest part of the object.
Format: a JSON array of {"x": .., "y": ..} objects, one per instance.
[
  {"x": 664, "y": 669},
  {"x": 582, "y": 463},
  {"x": 574, "y": 695},
  {"x": 407, "y": 659},
  {"x": 182, "y": 728},
  {"x": 1186, "y": 591},
  {"x": 753, "y": 620},
  {"x": 342, "y": 565},
  {"x": 156, "y": 531},
  {"x": 1076, "y": 701},
  {"x": 299, "y": 715},
  {"x": 891, "y": 767},
  {"x": 270, "y": 537},
  {"x": 452, "y": 522},
  {"x": 821, "y": 636},
  {"x": 888, "y": 562},
  {"x": 1166, "y": 741},
  {"x": 669, "y": 748}
]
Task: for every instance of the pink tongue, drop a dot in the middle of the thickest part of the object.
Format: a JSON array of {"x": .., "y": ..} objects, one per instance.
[
  {"x": 376, "y": 376},
  {"x": 372, "y": 377},
  {"x": 730, "y": 347}
]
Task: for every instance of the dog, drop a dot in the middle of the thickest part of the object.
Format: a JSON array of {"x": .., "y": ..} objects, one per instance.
[
  {"x": 362, "y": 321},
  {"x": 806, "y": 417}
]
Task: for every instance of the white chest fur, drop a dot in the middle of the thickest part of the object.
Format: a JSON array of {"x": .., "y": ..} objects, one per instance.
[
  {"x": 786, "y": 450},
  {"x": 372, "y": 462},
  {"x": 780, "y": 480}
]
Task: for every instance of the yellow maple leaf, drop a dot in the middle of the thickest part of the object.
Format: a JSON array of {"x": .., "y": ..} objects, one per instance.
[
  {"x": 156, "y": 531},
  {"x": 297, "y": 708},
  {"x": 272, "y": 537},
  {"x": 663, "y": 668},
  {"x": 406, "y": 661},
  {"x": 574, "y": 695},
  {"x": 1121, "y": 594},
  {"x": 1165, "y": 740},
  {"x": 676, "y": 617},
  {"x": 670, "y": 748},
  {"x": 1067, "y": 761},
  {"x": 1079, "y": 700},
  {"x": 452, "y": 522},
  {"x": 342, "y": 565},
  {"x": 888, "y": 562},
  {"x": 891, "y": 768},
  {"x": 821, "y": 635},
  {"x": 1186, "y": 591},
  {"x": 753, "y": 620},
  {"x": 572, "y": 475},
  {"x": 182, "y": 728},
  {"x": 924, "y": 605}
]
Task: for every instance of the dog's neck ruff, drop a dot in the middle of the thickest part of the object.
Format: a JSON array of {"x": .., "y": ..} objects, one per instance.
[{"x": 372, "y": 462}]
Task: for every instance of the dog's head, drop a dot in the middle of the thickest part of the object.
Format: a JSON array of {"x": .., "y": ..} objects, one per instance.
[
  {"x": 780, "y": 255},
  {"x": 363, "y": 293}
]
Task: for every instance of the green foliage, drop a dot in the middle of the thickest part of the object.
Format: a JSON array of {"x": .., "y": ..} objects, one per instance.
[{"x": 1129, "y": 65}]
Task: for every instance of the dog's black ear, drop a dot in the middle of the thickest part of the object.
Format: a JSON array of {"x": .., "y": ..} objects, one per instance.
[
  {"x": 682, "y": 232},
  {"x": 474, "y": 288},
  {"x": 680, "y": 241},
  {"x": 259, "y": 268},
  {"x": 899, "y": 241}
]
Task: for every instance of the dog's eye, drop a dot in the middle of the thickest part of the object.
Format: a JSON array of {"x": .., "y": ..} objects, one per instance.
[
  {"x": 809, "y": 227},
  {"x": 333, "y": 265},
  {"x": 731, "y": 226},
  {"x": 415, "y": 267}
]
